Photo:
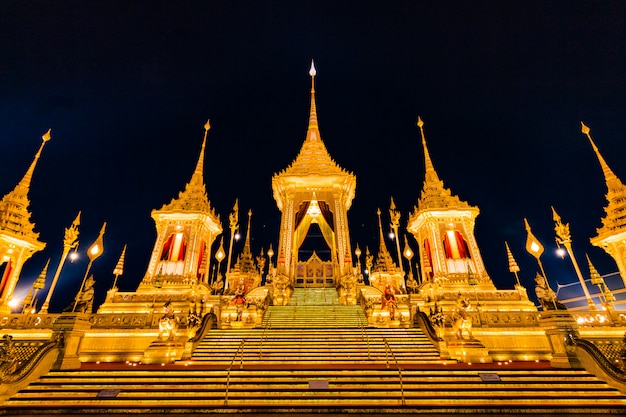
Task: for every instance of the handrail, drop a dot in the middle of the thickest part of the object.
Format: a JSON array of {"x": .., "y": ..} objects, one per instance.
[
  {"x": 240, "y": 348},
  {"x": 365, "y": 337},
  {"x": 387, "y": 352},
  {"x": 602, "y": 361},
  {"x": 268, "y": 324}
]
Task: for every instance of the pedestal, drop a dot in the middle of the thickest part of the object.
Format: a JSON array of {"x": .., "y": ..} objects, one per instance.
[
  {"x": 468, "y": 351},
  {"x": 561, "y": 329},
  {"x": 161, "y": 352},
  {"x": 70, "y": 328}
]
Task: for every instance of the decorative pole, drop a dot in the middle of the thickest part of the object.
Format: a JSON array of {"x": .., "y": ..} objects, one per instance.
[
  {"x": 564, "y": 238},
  {"x": 234, "y": 225},
  {"x": 408, "y": 254},
  {"x": 369, "y": 261},
  {"x": 219, "y": 255},
  {"x": 119, "y": 268},
  {"x": 93, "y": 252},
  {"x": 395, "y": 223},
  {"x": 70, "y": 241},
  {"x": 535, "y": 248},
  {"x": 270, "y": 273},
  {"x": 513, "y": 267}
]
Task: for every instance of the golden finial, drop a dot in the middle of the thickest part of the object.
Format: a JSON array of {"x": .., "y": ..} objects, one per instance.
[
  {"x": 207, "y": 125},
  {"x": 312, "y": 71},
  {"x": 46, "y": 136},
  {"x": 420, "y": 123},
  {"x": 584, "y": 128}
]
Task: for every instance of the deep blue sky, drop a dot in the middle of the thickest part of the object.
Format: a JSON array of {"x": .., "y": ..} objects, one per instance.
[{"x": 127, "y": 86}]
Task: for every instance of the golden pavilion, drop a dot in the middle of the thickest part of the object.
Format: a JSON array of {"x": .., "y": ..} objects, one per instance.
[{"x": 280, "y": 333}]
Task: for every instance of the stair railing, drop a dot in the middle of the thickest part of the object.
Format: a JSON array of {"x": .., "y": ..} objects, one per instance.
[
  {"x": 232, "y": 362},
  {"x": 388, "y": 352},
  {"x": 268, "y": 324},
  {"x": 365, "y": 337}
]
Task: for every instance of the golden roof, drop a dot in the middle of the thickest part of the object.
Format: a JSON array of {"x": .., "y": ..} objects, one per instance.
[
  {"x": 615, "y": 218},
  {"x": 14, "y": 213}
]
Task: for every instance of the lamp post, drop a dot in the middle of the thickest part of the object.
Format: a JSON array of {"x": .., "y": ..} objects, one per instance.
[
  {"x": 70, "y": 241},
  {"x": 270, "y": 254},
  {"x": 219, "y": 255},
  {"x": 564, "y": 238},
  {"x": 394, "y": 214},
  {"x": 408, "y": 254},
  {"x": 357, "y": 252},
  {"x": 93, "y": 252}
]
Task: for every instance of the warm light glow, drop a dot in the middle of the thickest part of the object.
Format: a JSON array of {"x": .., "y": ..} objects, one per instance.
[
  {"x": 237, "y": 236},
  {"x": 270, "y": 252},
  {"x": 534, "y": 247},
  {"x": 13, "y": 303},
  {"x": 73, "y": 256},
  {"x": 357, "y": 252},
  {"x": 94, "y": 250},
  {"x": 220, "y": 255},
  {"x": 408, "y": 253},
  {"x": 561, "y": 252},
  {"x": 392, "y": 235}
]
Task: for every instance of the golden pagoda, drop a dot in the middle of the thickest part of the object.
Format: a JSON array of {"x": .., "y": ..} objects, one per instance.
[
  {"x": 18, "y": 240},
  {"x": 313, "y": 190}
]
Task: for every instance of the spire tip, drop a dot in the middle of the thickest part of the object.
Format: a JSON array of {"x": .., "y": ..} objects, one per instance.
[
  {"x": 584, "y": 128},
  {"x": 312, "y": 71},
  {"x": 46, "y": 136}
]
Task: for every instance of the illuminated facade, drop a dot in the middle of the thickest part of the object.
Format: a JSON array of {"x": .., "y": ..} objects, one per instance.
[{"x": 310, "y": 333}]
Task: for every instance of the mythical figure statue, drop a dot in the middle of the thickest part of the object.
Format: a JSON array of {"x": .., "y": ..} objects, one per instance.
[
  {"x": 546, "y": 296},
  {"x": 193, "y": 321},
  {"x": 388, "y": 301},
  {"x": 8, "y": 356},
  {"x": 239, "y": 300},
  {"x": 461, "y": 320},
  {"x": 282, "y": 291},
  {"x": 83, "y": 303},
  {"x": 218, "y": 285},
  {"x": 168, "y": 324},
  {"x": 347, "y": 289}
]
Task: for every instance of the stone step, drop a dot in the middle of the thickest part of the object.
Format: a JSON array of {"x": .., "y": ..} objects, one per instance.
[{"x": 176, "y": 386}]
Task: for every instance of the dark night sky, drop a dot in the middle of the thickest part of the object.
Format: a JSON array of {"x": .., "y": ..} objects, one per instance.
[{"x": 127, "y": 86}]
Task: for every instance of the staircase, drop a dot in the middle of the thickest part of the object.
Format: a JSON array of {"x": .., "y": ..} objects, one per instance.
[{"x": 318, "y": 359}]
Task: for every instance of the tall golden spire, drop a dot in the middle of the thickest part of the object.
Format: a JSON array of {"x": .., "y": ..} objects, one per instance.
[
  {"x": 313, "y": 157},
  {"x": 431, "y": 174},
  {"x": 14, "y": 214},
  {"x": 434, "y": 194},
  {"x": 194, "y": 197},
  {"x": 612, "y": 182}
]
